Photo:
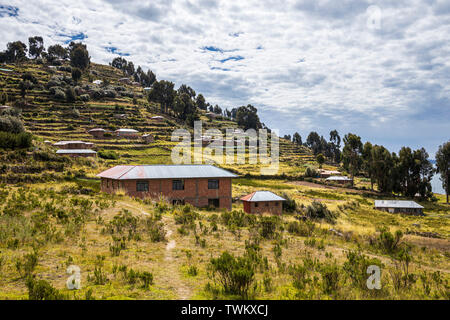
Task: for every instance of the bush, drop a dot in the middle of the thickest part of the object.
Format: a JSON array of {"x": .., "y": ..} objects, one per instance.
[
  {"x": 111, "y": 155},
  {"x": 356, "y": 268},
  {"x": 85, "y": 97},
  {"x": 59, "y": 94},
  {"x": 301, "y": 228},
  {"x": 42, "y": 290},
  {"x": 235, "y": 274},
  {"x": 388, "y": 242},
  {"x": 289, "y": 205},
  {"x": 268, "y": 227},
  {"x": 318, "y": 210},
  {"x": 15, "y": 141},
  {"x": 11, "y": 124},
  {"x": 311, "y": 172}
]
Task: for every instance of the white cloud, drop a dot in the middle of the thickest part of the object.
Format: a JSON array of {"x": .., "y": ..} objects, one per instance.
[{"x": 315, "y": 62}]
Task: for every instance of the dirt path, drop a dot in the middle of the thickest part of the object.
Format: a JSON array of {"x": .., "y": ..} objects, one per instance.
[
  {"x": 172, "y": 276},
  {"x": 321, "y": 186},
  {"x": 183, "y": 290}
]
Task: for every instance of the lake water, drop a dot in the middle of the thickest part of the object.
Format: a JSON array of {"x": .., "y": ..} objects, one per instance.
[{"x": 436, "y": 184}]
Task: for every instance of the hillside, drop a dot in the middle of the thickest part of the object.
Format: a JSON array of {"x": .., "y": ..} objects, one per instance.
[{"x": 52, "y": 215}]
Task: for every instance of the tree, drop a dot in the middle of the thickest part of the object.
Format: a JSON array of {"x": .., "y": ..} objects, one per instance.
[
  {"x": 57, "y": 52},
  {"x": 16, "y": 51},
  {"x": 129, "y": 69},
  {"x": 335, "y": 146},
  {"x": 314, "y": 143},
  {"x": 217, "y": 109},
  {"x": 443, "y": 166},
  {"x": 36, "y": 46},
  {"x": 416, "y": 172},
  {"x": 76, "y": 74},
  {"x": 119, "y": 63},
  {"x": 351, "y": 153},
  {"x": 200, "y": 102},
  {"x": 188, "y": 90},
  {"x": 79, "y": 56},
  {"x": 367, "y": 164},
  {"x": 183, "y": 106},
  {"x": 24, "y": 86},
  {"x": 247, "y": 117},
  {"x": 162, "y": 92},
  {"x": 320, "y": 159},
  {"x": 297, "y": 139}
]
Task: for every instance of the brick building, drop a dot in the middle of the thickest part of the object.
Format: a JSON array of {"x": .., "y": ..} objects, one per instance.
[
  {"x": 127, "y": 133},
  {"x": 340, "y": 180},
  {"x": 199, "y": 185},
  {"x": 263, "y": 202},
  {"x": 97, "y": 133}
]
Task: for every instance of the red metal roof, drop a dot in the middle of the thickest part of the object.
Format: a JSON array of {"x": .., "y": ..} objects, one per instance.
[{"x": 248, "y": 197}]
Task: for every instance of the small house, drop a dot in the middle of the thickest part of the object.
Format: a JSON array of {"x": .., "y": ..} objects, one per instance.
[
  {"x": 157, "y": 118},
  {"x": 4, "y": 108},
  {"x": 399, "y": 206},
  {"x": 198, "y": 185},
  {"x": 120, "y": 116},
  {"x": 328, "y": 173},
  {"x": 125, "y": 80},
  {"x": 77, "y": 153},
  {"x": 211, "y": 115},
  {"x": 147, "y": 89},
  {"x": 263, "y": 202},
  {"x": 97, "y": 133},
  {"x": 97, "y": 82},
  {"x": 340, "y": 180},
  {"x": 127, "y": 133},
  {"x": 148, "y": 138},
  {"x": 73, "y": 145}
]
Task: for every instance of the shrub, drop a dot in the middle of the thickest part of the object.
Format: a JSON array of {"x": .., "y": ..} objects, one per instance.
[
  {"x": 59, "y": 94},
  {"x": 301, "y": 228},
  {"x": 84, "y": 97},
  {"x": 235, "y": 274},
  {"x": 42, "y": 290},
  {"x": 388, "y": 242},
  {"x": 330, "y": 278},
  {"x": 356, "y": 267},
  {"x": 268, "y": 227},
  {"x": 311, "y": 172},
  {"x": 11, "y": 124},
  {"x": 15, "y": 141},
  {"x": 289, "y": 205},
  {"x": 110, "y": 154},
  {"x": 318, "y": 210}
]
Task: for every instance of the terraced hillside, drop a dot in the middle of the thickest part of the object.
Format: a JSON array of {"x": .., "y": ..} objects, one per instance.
[{"x": 51, "y": 119}]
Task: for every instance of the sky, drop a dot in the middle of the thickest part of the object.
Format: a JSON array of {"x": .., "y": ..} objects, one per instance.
[{"x": 380, "y": 69}]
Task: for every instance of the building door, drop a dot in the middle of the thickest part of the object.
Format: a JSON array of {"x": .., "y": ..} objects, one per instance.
[{"x": 213, "y": 203}]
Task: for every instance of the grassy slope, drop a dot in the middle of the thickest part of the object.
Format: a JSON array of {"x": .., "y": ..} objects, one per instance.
[{"x": 51, "y": 120}]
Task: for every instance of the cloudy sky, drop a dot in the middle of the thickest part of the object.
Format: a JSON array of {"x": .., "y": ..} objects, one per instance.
[{"x": 380, "y": 69}]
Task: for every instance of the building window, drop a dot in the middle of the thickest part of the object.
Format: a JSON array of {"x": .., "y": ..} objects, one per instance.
[
  {"x": 256, "y": 204},
  {"x": 178, "y": 202},
  {"x": 142, "y": 186},
  {"x": 267, "y": 204},
  {"x": 213, "y": 184},
  {"x": 276, "y": 204},
  {"x": 177, "y": 185}
]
